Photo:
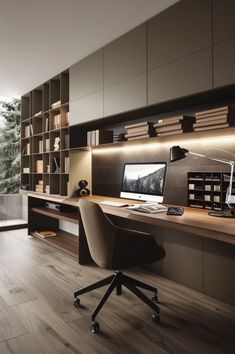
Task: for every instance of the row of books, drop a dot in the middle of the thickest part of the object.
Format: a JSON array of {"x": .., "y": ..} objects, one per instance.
[
  {"x": 99, "y": 136},
  {"x": 28, "y": 130},
  {"x": 26, "y": 149},
  {"x": 216, "y": 118},
  {"x": 139, "y": 131}
]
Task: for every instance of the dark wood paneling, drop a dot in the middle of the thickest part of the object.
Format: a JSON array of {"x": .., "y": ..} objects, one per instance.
[
  {"x": 183, "y": 77},
  {"x": 125, "y": 57},
  {"x": 86, "y": 76},
  {"x": 223, "y": 20},
  {"x": 179, "y": 31},
  {"x": 224, "y": 59}
]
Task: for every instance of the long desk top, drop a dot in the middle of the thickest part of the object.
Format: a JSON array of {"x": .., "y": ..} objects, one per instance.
[{"x": 194, "y": 221}]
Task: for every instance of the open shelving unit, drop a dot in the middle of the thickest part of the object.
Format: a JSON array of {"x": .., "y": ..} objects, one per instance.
[
  {"x": 207, "y": 190},
  {"x": 50, "y": 219},
  {"x": 45, "y": 137}
]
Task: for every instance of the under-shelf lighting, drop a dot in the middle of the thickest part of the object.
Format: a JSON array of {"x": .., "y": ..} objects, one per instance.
[{"x": 152, "y": 145}]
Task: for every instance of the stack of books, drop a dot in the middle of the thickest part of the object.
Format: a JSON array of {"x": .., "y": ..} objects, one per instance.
[
  {"x": 99, "y": 136},
  {"x": 39, "y": 186},
  {"x": 139, "y": 131},
  {"x": 174, "y": 125},
  {"x": 118, "y": 137},
  {"x": 216, "y": 118}
]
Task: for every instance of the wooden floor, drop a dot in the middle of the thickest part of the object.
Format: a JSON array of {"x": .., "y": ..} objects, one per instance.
[{"x": 37, "y": 314}]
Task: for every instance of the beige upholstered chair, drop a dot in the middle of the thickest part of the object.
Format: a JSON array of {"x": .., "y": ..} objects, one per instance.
[{"x": 115, "y": 248}]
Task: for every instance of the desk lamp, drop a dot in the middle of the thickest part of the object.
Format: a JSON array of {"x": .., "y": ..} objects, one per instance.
[{"x": 178, "y": 153}]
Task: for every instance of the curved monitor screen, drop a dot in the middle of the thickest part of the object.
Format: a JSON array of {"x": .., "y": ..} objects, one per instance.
[{"x": 143, "y": 181}]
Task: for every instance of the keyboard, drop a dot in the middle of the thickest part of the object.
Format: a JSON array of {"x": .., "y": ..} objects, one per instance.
[
  {"x": 148, "y": 208},
  {"x": 115, "y": 204}
]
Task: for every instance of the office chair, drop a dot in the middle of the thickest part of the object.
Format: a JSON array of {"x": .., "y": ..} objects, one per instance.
[{"x": 112, "y": 247}]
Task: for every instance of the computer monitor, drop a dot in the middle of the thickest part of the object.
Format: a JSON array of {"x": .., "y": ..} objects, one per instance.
[{"x": 144, "y": 181}]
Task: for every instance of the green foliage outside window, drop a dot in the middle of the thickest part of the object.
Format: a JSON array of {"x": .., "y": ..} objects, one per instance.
[{"x": 9, "y": 146}]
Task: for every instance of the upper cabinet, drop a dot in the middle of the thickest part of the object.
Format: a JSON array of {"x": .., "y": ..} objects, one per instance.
[
  {"x": 224, "y": 59},
  {"x": 180, "y": 78},
  {"x": 182, "y": 29},
  {"x": 223, "y": 20},
  {"x": 86, "y": 77},
  {"x": 125, "y": 72},
  {"x": 86, "y": 88},
  {"x": 125, "y": 57}
]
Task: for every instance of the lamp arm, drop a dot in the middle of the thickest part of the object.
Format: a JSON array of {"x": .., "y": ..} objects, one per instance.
[{"x": 229, "y": 190}]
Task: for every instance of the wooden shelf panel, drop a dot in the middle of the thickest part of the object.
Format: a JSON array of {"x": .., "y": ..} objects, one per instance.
[
  {"x": 67, "y": 216},
  {"x": 65, "y": 242}
]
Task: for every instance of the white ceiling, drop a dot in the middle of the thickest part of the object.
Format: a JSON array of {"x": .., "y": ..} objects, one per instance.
[{"x": 40, "y": 38}]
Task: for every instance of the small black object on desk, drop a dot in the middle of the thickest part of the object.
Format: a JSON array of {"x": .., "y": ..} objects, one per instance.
[{"x": 175, "y": 211}]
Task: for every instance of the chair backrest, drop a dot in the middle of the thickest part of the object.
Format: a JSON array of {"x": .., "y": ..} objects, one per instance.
[{"x": 100, "y": 233}]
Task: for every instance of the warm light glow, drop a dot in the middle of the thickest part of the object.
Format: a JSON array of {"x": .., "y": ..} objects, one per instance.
[{"x": 153, "y": 145}]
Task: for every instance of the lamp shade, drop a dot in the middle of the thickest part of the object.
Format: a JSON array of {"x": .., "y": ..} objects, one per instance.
[{"x": 177, "y": 153}]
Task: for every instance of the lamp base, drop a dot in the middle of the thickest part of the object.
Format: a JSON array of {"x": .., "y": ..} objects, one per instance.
[{"x": 222, "y": 213}]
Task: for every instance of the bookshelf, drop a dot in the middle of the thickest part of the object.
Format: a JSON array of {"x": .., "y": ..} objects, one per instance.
[{"x": 45, "y": 137}]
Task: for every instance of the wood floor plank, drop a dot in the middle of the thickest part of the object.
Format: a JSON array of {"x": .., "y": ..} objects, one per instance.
[
  {"x": 10, "y": 326},
  {"x": 41, "y": 317},
  {"x": 24, "y": 344},
  {"x": 12, "y": 290}
]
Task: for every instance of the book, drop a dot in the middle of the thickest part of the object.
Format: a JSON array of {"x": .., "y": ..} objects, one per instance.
[
  {"x": 167, "y": 121},
  {"x": 38, "y": 114},
  {"x": 136, "y": 125},
  {"x": 168, "y": 128},
  {"x": 55, "y": 104},
  {"x": 67, "y": 118},
  {"x": 224, "y": 109},
  {"x": 26, "y": 170},
  {"x": 209, "y": 123},
  {"x": 211, "y": 127},
  {"x": 139, "y": 137},
  {"x": 56, "y": 162},
  {"x": 173, "y": 132},
  {"x": 212, "y": 115},
  {"x": 142, "y": 132},
  {"x": 46, "y": 125},
  {"x": 39, "y": 166},
  {"x": 45, "y": 234}
]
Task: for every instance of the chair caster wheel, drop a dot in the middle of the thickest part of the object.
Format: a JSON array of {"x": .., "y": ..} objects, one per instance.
[
  {"x": 76, "y": 302},
  {"x": 154, "y": 299},
  {"x": 156, "y": 317},
  {"x": 95, "y": 327}
]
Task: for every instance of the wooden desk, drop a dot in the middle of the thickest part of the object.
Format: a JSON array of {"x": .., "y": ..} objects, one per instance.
[{"x": 194, "y": 221}]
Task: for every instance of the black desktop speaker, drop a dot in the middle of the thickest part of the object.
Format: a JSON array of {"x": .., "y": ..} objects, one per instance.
[{"x": 82, "y": 191}]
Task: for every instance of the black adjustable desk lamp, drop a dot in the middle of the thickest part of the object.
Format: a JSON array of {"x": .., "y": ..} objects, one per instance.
[{"x": 178, "y": 153}]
